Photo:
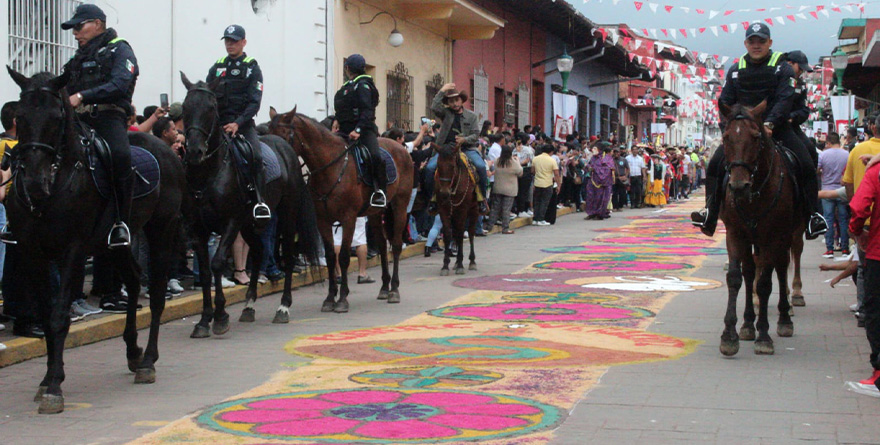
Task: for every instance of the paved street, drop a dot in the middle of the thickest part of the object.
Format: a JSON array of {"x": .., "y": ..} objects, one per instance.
[{"x": 611, "y": 341}]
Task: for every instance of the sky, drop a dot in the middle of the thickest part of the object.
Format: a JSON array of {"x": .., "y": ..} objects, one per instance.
[{"x": 815, "y": 37}]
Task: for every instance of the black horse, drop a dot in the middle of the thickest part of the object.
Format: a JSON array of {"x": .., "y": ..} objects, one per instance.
[
  {"x": 221, "y": 206},
  {"x": 59, "y": 215}
]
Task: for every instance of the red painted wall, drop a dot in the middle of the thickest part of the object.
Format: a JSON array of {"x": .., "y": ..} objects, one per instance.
[{"x": 507, "y": 58}]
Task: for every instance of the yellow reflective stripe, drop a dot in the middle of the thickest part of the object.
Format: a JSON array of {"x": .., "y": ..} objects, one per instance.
[
  {"x": 360, "y": 77},
  {"x": 116, "y": 40},
  {"x": 742, "y": 62},
  {"x": 221, "y": 60},
  {"x": 248, "y": 59},
  {"x": 775, "y": 58}
]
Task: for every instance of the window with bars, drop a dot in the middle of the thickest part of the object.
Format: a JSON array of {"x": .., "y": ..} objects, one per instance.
[
  {"x": 603, "y": 112},
  {"x": 36, "y": 41},
  {"x": 614, "y": 118},
  {"x": 432, "y": 87},
  {"x": 481, "y": 95},
  {"x": 523, "y": 113},
  {"x": 583, "y": 117},
  {"x": 591, "y": 115},
  {"x": 400, "y": 93},
  {"x": 509, "y": 108}
]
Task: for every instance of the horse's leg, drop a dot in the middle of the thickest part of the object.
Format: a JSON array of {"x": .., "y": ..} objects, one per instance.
[
  {"x": 729, "y": 338},
  {"x": 763, "y": 343},
  {"x": 447, "y": 241},
  {"x": 218, "y": 263},
  {"x": 255, "y": 255},
  {"x": 747, "y": 331},
  {"x": 378, "y": 231},
  {"x": 784, "y": 326},
  {"x": 163, "y": 253},
  {"x": 56, "y": 320},
  {"x": 325, "y": 227},
  {"x": 460, "y": 225},
  {"x": 202, "y": 328},
  {"x": 341, "y": 306},
  {"x": 797, "y": 249},
  {"x": 130, "y": 272},
  {"x": 399, "y": 218},
  {"x": 472, "y": 217},
  {"x": 286, "y": 224}
]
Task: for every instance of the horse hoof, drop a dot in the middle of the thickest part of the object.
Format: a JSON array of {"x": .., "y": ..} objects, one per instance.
[
  {"x": 248, "y": 315},
  {"x": 394, "y": 297},
  {"x": 747, "y": 333},
  {"x": 200, "y": 332},
  {"x": 327, "y": 306},
  {"x": 341, "y": 307},
  {"x": 459, "y": 271},
  {"x": 133, "y": 363},
  {"x": 220, "y": 327},
  {"x": 145, "y": 376},
  {"x": 473, "y": 266},
  {"x": 383, "y": 295},
  {"x": 729, "y": 348},
  {"x": 281, "y": 317},
  {"x": 40, "y": 391},
  {"x": 51, "y": 404},
  {"x": 764, "y": 347},
  {"x": 798, "y": 300},
  {"x": 785, "y": 330},
  {"x": 444, "y": 272}
]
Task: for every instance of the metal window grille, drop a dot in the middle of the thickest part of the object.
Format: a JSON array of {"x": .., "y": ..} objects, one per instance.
[
  {"x": 524, "y": 107},
  {"x": 603, "y": 110},
  {"x": 481, "y": 94},
  {"x": 583, "y": 116},
  {"x": 591, "y": 115},
  {"x": 509, "y": 108},
  {"x": 400, "y": 93},
  {"x": 432, "y": 87},
  {"x": 614, "y": 117},
  {"x": 36, "y": 41}
]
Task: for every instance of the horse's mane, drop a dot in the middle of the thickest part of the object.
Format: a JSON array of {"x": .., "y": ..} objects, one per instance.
[{"x": 318, "y": 127}]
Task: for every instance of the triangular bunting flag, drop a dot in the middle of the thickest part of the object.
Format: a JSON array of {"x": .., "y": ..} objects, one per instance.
[
  {"x": 645, "y": 31},
  {"x": 814, "y": 14},
  {"x": 665, "y": 33},
  {"x": 694, "y": 31},
  {"x": 712, "y": 14},
  {"x": 790, "y": 17},
  {"x": 653, "y": 33},
  {"x": 727, "y": 13},
  {"x": 715, "y": 30},
  {"x": 683, "y": 32},
  {"x": 674, "y": 33},
  {"x": 825, "y": 12},
  {"x": 745, "y": 25},
  {"x": 836, "y": 9},
  {"x": 639, "y": 5},
  {"x": 733, "y": 27},
  {"x": 702, "y": 30},
  {"x": 700, "y": 11},
  {"x": 723, "y": 27},
  {"x": 724, "y": 60},
  {"x": 801, "y": 16},
  {"x": 686, "y": 10},
  {"x": 653, "y": 7},
  {"x": 668, "y": 8},
  {"x": 779, "y": 20}
]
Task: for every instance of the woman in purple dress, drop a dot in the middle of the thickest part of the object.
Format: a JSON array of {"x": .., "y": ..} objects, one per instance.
[{"x": 598, "y": 187}]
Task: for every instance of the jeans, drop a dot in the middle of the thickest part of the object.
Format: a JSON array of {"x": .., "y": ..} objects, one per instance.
[
  {"x": 435, "y": 231},
  {"x": 836, "y": 210},
  {"x": 542, "y": 200},
  {"x": 871, "y": 309},
  {"x": 500, "y": 208},
  {"x": 268, "y": 266},
  {"x": 473, "y": 156},
  {"x": 636, "y": 191}
]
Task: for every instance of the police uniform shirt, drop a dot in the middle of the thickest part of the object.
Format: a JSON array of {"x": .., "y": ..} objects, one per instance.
[
  {"x": 355, "y": 105},
  {"x": 240, "y": 88},
  {"x": 772, "y": 80},
  {"x": 800, "y": 112},
  {"x": 104, "y": 71}
]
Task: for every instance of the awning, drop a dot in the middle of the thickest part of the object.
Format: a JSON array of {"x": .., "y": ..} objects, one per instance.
[
  {"x": 851, "y": 28},
  {"x": 456, "y": 19},
  {"x": 871, "y": 57}
]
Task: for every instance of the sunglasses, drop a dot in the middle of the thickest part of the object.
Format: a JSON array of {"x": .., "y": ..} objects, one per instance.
[{"x": 80, "y": 25}]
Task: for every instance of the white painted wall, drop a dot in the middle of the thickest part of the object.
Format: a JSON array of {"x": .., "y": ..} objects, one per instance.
[{"x": 287, "y": 37}]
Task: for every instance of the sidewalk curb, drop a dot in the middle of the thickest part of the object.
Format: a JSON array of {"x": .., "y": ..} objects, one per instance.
[{"x": 86, "y": 332}]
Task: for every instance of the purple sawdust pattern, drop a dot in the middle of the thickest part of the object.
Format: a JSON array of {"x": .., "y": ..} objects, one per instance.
[
  {"x": 614, "y": 266},
  {"x": 542, "y": 312}
]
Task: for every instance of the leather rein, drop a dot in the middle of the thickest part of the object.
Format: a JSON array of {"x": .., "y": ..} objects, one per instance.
[{"x": 344, "y": 156}]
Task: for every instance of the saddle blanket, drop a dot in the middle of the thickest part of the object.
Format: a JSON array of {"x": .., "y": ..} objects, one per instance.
[
  {"x": 271, "y": 165},
  {"x": 362, "y": 160},
  {"x": 146, "y": 173}
]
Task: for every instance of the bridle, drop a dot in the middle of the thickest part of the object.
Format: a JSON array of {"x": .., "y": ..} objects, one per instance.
[
  {"x": 208, "y": 134},
  {"x": 341, "y": 157},
  {"x": 456, "y": 174}
]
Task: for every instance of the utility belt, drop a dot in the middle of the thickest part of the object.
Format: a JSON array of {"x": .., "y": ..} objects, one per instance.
[{"x": 97, "y": 108}]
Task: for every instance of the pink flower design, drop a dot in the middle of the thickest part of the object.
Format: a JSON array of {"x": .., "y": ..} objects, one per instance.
[
  {"x": 382, "y": 415},
  {"x": 539, "y": 311}
]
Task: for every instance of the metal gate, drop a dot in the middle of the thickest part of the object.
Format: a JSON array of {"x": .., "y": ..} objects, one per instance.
[
  {"x": 400, "y": 101},
  {"x": 481, "y": 95},
  {"x": 524, "y": 107},
  {"x": 36, "y": 41}
]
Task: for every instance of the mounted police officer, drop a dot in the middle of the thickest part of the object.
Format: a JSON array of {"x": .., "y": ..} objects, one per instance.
[
  {"x": 355, "y": 105},
  {"x": 800, "y": 112},
  {"x": 239, "y": 91},
  {"x": 102, "y": 76},
  {"x": 763, "y": 75}
]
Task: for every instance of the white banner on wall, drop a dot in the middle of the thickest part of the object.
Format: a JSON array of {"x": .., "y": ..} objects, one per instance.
[{"x": 565, "y": 109}]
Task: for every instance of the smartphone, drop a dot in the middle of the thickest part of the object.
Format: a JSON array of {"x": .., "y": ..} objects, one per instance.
[
  {"x": 425, "y": 120},
  {"x": 163, "y": 100}
]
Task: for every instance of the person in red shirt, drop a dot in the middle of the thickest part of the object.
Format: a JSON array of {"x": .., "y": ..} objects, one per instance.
[{"x": 864, "y": 205}]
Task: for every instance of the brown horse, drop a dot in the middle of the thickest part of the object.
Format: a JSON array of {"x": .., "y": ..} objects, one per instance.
[
  {"x": 764, "y": 226},
  {"x": 341, "y": 196},
  {"x": 456, "y": 204}
]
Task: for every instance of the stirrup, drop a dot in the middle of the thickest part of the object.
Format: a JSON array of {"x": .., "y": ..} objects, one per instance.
[
  {"x": 700, "y": 217},
  {"x": 820, "y": 230},
  {"x": 6, "y": 236},
  {"x": 126, "y": 236},
  {"x": 262, "y": 211},
  {"x": 377, "y": 199}
]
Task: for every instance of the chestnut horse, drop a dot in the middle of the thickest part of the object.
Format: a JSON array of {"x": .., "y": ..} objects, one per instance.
[
  {"x": 764, "y": 226},
  {"x": 341, "y": 196},
  {"x": 456, "y": 204}
]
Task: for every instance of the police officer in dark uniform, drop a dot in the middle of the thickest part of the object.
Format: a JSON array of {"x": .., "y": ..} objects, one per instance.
[
  {"x": 103, "y": 73},
  {"x": 239, "y": 94},
  {"x": 761, "y": 75},
  {"x": 355, "y": 105},
  {"x": 800, "y": 112}
]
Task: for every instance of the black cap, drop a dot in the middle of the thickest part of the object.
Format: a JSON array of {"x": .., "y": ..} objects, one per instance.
[
  {"x": 84, "y": 13},
  {"x": 800, "y": 59},
  {"x": 234, "y": 32},
  {"x": 758, "y": 29},
  {"x": 356, "y": 62}
]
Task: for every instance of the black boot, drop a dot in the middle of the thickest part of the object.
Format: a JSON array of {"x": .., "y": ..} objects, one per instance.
[
  {"x": 120, "y": 236},
  {"x": 427, "y": 250},
  {"x": 380, "y": 182},
  {"x": 707, "y": 218}
]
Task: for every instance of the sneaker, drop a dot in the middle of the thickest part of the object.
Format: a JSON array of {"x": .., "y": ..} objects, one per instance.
[
  {"x": 365, "y": 279},
  {"x": 867, "y": 387},
  {"x": 2, "y": 326},
  {"x": 530, "y": 212},
  {"x": 115, "y": 305},
  {"x": 174, "y": 287},
  {"x": 852, "y": 308},
  {"x": 82, "y": 307},
  {"x": 828, "y": 254},
  {"x": 74, "y": 316},
  {"x": 2, "y": 347},
  {"x": 262, "y": 279},
  {"x": 536, "y": 223},
  {"x": 543, "y": 223},
  {"x": 226, "y": 283},
  {"x": 845, "y": 252},
  {"x": 523, "y": 215}
]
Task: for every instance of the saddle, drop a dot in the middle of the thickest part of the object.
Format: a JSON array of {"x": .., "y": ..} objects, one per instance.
[
  {"x": 244, "y": 157},
  {"x": 144, "y": 164},
  {"x": 364, "y": 162}
]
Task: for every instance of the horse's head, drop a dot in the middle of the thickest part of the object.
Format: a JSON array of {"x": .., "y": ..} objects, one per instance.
[
  {"x": 201, "y": 121},
  {"x": 448, "y": 165},
  {"x": 282, "y": 124},
  {"x": 744, "y": 141},
  {"x": 42, "y": 120}
]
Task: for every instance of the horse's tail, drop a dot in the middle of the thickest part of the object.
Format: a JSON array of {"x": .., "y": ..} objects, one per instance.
[{"x": 309, "y": 243}]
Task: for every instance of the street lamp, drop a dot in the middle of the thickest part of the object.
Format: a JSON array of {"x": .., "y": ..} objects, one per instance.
[
  {"x": 839, "y": 61},
  {"x": 395, "y": 39},
  {"x": 565, "y": 64}
]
